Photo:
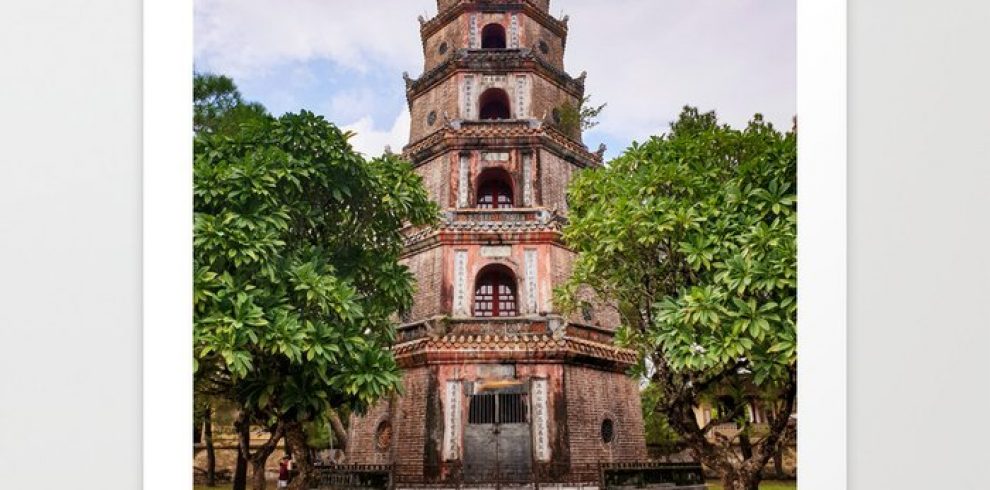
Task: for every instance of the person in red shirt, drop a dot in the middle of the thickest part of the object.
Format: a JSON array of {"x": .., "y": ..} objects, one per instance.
[{"x": 283, "y": 472}]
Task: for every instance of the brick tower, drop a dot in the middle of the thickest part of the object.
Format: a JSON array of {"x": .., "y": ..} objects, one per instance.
[{"x": 498, "y": 384}]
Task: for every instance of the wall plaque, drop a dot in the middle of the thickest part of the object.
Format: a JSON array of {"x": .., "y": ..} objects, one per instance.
[
  {"x": 462, "y": 182},
  {"x": 452, "y": 421},
  {"x": 496, "y": 252},
  {"x": 468, "y": 101},
  {"x": 495, "y": 157},
  {"x": 527, "y": 169},
  {"x": 541, "y": 434},
  {"x": 473, "y": 32},
  {"x": 460, "y": 283},
  {"x": 514, "y": 29},
  {"x": 530, "y": 256}
]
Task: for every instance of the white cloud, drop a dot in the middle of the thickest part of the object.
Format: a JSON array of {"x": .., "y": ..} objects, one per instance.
[
  {"x": 648, "y": 58},
  {"x": 372, "y": 142},
  {"x": 645, "y": 58},
  {"x": 245, "y": 37}
]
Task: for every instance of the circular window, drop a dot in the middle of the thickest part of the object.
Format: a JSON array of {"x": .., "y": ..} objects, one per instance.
[
  {"x": 431, "y": 118},
  {"x": 608, "y": 431},
  {"x": 544, "y": 47},
  {"x": 443, "y": 48},
  {"x": 383, "y": 436}
]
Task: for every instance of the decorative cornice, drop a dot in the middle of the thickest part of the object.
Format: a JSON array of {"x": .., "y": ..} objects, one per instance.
[
  {"x": 467, "y": 226},
  {"x": 521, "y": 347},
  {"x": 430, "y": 27},
  {"x": 468, "y": 135},
  {"x": 493, "y": 60}
]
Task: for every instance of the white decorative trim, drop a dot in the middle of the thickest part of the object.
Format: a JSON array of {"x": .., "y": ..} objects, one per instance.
[
  {"x": 541, "y": 429},
  {"x": 530, "y": 257},
  {"x": 462, "y": 181},
  {"x": 460, "y": 283},
  {"x": 452, "y": 421}
]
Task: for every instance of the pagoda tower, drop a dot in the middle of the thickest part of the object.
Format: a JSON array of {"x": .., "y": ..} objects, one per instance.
[{"x": 497, "y": 382}]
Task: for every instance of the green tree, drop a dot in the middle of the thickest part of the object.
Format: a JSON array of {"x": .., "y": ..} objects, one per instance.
[
  {"x": 693, "y": 234},
  {"x": 297, "y": 241},
  {"x": 218, "y": 106}
]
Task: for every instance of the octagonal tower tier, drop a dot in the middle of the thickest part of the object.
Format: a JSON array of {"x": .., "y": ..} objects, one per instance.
[{"x": 498, "y": 384}]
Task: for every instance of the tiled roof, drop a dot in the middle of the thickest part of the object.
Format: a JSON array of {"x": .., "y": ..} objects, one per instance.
[
  {"x": 511, "y": 129},
  {"x": 545, "y": 221},
  {"x": 559, "y": 27},
  {"x": 488, "y": 59},
  {"x": 532, "y": 345}
]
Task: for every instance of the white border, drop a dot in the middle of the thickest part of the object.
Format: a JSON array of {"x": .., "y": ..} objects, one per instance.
[
  {"x": 167, "y": 386},
  {"x": 167, "y": 389},
  {"x": 822, "y": 244}
]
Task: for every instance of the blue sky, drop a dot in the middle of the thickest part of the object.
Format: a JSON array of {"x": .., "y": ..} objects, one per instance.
[{"x": 645, "y": 58}]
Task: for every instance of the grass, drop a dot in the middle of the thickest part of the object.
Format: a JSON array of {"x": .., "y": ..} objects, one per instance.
[{"x": 767, "y": 485}]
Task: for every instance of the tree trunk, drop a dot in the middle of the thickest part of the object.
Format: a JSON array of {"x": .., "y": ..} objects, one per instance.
[
  {"x": 338, "y": 429},
  {"x": 258, "y": 481},
  {"x": 211, "y": 455},
  {"x": 295, "y": 439},
  {"x": 243, "y": 441},
  {"x": 260, "y": 458},
  {"x": 740, "y": 480},
  {"x": 778, "y": 463}
]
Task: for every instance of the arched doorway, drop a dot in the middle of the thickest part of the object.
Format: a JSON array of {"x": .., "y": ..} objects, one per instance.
[
  {"x": 494, "y": 189},
  {"x": 493, "y": 37},
  {"x": 494, "y": 104},
  {"x": 495, "y": 292}
]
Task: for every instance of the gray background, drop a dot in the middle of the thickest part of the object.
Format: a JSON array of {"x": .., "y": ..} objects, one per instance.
[
  {"x": 70, "y": 244},
  {"x": 919, "y": 169},
  {"x": 70, "y": 233}
]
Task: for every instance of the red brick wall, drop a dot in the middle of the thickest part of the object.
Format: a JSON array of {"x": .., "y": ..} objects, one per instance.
[
  {"x": 427, "y": 269},
  {"x": 443, "y": 97},
  {"x": 406, "y": 415},
  {"x": 593, "y": 395},
  {"x": 554, "y": 176},
  {"x": 361, "y": 436}
]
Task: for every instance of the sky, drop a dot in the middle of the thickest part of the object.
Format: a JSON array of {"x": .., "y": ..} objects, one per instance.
[{"x": 646, "y": 59}]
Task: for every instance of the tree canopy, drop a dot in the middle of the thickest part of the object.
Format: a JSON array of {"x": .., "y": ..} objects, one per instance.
[
  {"x": 693, "y": 234},
  {"x": 297, "y": 241},
  {"x": 218, "y": 106}
]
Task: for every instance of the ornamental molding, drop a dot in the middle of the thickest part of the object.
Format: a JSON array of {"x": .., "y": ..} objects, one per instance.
[
  {"x": 494, "y": 348},
  {"x": 495, "y": 61},
  {"x": 430, "y": 27},
  {"x": 460, "y": 135}
]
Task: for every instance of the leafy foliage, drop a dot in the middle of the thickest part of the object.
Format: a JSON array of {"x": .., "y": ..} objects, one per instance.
[
  {"x": 693, "y": 233},
  {"x": 572, "y": 119},
  {"x": 218, "y": 106},
  {"x": 297, "y": 241}
]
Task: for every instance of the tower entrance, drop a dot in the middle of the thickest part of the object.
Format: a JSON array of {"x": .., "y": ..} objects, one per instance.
[{"x": 497, "y": 438}]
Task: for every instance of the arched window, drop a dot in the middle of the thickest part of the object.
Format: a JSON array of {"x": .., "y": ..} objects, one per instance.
[
  {"x": 494, "y": 189},
  {"x": 494, "y": 104},
  {"x": 495, "y": 293},
  {"x": 493, "y": 37}
]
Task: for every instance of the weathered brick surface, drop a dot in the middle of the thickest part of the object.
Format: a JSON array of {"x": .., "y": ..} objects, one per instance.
[
  {"x": 603, "y": 315},
  {"x": 555, "y": 175},
  {"x": 407, "y": 416},
  {"x": 592, "y": 396},
  {"x": 427, "y": 269}
]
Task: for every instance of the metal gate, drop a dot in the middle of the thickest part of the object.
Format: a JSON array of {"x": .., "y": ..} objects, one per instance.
[{"x": 497, "y": 439}]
